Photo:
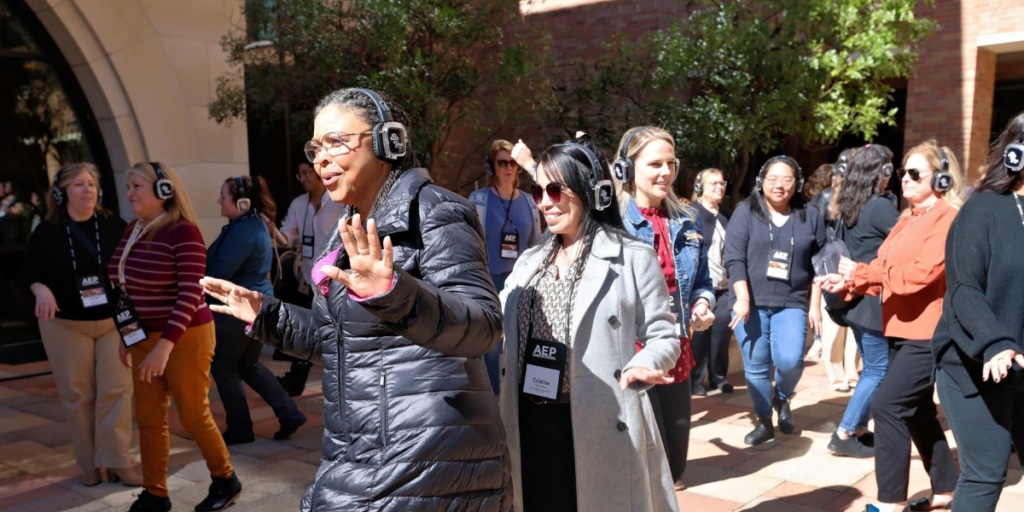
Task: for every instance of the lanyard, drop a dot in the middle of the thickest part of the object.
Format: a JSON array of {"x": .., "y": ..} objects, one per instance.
[
  {"x": 137, "y": 231},
  {"x": 508, "y": 207},
  {"x": 74, "y": 262},
  {"x": 771, "y": 238},
  {"x": 305, "y": 217}
]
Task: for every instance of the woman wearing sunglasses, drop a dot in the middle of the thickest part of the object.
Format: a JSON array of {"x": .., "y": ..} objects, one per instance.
[
  {"x": 511, "y": 225},
  {"x": 768, "y": 248},
  {"x": 909, "y": 275},
  {"x": 574, "y": 386},
  {"x": 978, "y": 344},
  {"x": 645, "y": 170}
]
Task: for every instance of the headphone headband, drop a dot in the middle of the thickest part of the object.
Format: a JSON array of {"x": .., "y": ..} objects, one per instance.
[{"x": 887, "y": 166}]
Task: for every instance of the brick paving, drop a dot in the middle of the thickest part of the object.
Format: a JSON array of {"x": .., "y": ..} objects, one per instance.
[{"x": 789, "y": 474}]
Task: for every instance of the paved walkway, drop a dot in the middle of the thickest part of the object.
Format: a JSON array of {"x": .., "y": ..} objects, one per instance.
[{"x": 790, "y": 474}]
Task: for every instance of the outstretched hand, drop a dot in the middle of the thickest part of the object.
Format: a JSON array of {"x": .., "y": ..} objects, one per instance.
[
  {"x": 638, "y": 375},
  {"x": 237, "y": 301},
  {"x": 371, "y": 264}
]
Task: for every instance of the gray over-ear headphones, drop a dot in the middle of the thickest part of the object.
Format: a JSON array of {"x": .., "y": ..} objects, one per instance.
[
  {"x": 59, "y": 196},
  {"x": 163, "y": 188},
  {"x": 942, "y": 180},
  {"x": 602, "y": 189},
  {"x": 791, "y": 162},
  {"x": 887, "y": 166},
  {"x": 390, "y": 138},
  {"x": 622, "y": 167},
  {"x": 242, "y": 203}
]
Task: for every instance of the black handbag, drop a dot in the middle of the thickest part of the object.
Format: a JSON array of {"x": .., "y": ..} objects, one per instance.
[{"x": 827, "y": 262}]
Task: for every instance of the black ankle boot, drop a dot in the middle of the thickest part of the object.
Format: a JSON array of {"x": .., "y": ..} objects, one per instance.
[
  {"x": 787, "y": 423},
  {"x": 294, "y": 380},
  {"x": 761, "y": 433},
  {"x": 223, "y": 492},
  {"x": 147, "y": 502}
]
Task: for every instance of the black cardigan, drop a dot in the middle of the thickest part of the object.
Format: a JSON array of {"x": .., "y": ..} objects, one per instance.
[
  {"x": 748, "y": 244},
  {"x": 981, "y": 313},
  {"x": 877, "y": 217}
]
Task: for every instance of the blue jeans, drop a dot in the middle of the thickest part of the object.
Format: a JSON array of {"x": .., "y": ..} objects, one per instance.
[
  {"x": 874, "y": 352},
  {"x": 772, "y": 336}
]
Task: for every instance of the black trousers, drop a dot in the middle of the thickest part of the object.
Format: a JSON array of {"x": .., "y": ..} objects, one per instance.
[
  {"x": 236, "y": 360},
  {"x": 547, "y": 457},
  {"x": 984, "y": 426},
  {"x": 711, "y": 347},
  {"x": 671, "y": 404},
  {"x": 905, "y": 412}
]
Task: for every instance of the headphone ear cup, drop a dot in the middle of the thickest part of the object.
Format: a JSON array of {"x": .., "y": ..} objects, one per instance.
[
  {"x": 390, "y": 141},
  {"x": 58, "y": 195},
  {"x": 488, "y": 164},
  {"x": 1013, "y": 157},
  {"x": 800, "y": 185},
  {"x": 163, "y": 189},
  {"x": 243, "y": 205},
  {"x": 623, "y": 170},
  {"x": 698, "y": 184},
  {"x": 941, "y": 181}
]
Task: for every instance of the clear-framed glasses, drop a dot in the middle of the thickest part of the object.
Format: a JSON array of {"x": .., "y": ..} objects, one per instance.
[
  {"x": 775, "y": 180},
  {"x": 332, "y": 141}
]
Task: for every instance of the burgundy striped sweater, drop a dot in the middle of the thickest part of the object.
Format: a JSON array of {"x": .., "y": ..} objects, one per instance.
[{"x": 162, "y": 276}]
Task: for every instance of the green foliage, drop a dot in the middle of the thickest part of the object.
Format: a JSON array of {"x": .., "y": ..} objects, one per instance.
[
  {"x": 738, "y": 78},
  {"x": 436, "y": 58}
]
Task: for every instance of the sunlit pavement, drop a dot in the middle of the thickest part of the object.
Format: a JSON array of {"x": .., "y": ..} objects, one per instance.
[{"x": 789, "y": 474}]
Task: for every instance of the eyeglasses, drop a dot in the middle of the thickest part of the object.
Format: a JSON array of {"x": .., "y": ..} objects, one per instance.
[
  {"x": 775, "y": 180},
  {"x": 713, "y": 184},
  {"x": 331, "y": 141},
  {"x": 505, "y": 163},
  {"x": 554, "y": 190},
  {"x": 915, "y": 174}
]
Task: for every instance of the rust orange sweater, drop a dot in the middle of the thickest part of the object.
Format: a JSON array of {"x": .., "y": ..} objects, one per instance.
[{"x": 910, "y": 273}]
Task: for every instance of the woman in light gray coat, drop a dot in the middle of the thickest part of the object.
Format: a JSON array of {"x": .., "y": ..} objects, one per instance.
[{"x": 574, "y": 387}]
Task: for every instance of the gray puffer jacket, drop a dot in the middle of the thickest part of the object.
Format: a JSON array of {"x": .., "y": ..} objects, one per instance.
[{"x": 410, "y": 421}]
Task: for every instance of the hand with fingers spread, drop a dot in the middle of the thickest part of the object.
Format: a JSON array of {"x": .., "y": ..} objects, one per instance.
[
  {"x": 997, "y": 368},
  {"x": 237, "y": 301},
  {"x": 641, "y": 376},
  {"x": 371, "y": 264}
]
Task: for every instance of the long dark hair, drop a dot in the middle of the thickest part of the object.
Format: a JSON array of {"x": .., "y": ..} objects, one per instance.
[
  {"x": 569, "y": 165},
  {"x": 758, "y": 204},
  {"x": 998, "y": 179},
  {"x": 860, "y": 184}
]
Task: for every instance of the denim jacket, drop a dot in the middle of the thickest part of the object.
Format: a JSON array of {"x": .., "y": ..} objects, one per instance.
[{"x": 690, "y": 257}]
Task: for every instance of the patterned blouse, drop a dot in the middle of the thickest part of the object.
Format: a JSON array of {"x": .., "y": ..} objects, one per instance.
[{"x": 546, "y": 308}]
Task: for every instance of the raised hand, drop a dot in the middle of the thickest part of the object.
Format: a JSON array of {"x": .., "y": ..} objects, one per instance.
[
  {"x": 237, "y": 301},
  {"x": 371, "y": 264}
]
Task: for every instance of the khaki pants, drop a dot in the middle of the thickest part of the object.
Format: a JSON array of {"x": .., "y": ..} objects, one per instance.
[
  {"x": 838, "y": 352},
  {"x": 95, "y": 389},
  {"x": 186, "y": 378}
]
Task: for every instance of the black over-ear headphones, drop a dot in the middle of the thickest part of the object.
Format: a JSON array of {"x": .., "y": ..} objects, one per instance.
[
  {"x": 698, "y": 184},
  {"x": 942, "y": 180},
  {"x": 488, "y": 164},
  {"x": 59, "y": 196},
  {"x": 1013, "y": 155},
  {"x": 887, "y": 166},
  {"x": 602, "y": 189},
  {"x": 622, "y": 167},
  {"x": 163, "y": 188},
  {"x": 791, "y": 162},
  {"x": 242, "y": 203},
  {"x": 390, "y": 138}
]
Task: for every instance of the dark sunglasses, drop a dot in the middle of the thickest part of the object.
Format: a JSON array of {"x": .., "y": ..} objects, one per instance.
[
  {"x": 505, "y": 163},
  {"x": 915, "y": 174},
  {"x": 554, "y": 190}
]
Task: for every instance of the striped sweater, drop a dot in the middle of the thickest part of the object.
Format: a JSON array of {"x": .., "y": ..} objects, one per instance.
[{"x": 162, "y": 276}]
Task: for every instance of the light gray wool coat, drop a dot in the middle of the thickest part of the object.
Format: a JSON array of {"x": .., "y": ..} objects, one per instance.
[{"x": 620, "y": 461}]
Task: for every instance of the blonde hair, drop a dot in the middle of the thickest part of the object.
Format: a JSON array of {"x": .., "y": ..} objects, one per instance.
[
  {"x": 498, "y": 146},
  {"x": 64, "y": 177},
  {"x": 177, "y": 207},
  {"x": 929, "y": 149},
  {"x": 641, "y": 137},
  {"x": 702, "y": 176}
]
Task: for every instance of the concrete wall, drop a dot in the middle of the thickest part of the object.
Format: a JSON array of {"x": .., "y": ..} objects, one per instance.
[{"x": 148, "y": 68}]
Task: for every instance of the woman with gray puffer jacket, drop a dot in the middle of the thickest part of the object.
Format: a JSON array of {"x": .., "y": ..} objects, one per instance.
[{"x": 410, "y": 420}]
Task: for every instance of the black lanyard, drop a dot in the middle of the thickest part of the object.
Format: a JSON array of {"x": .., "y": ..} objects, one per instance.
[
  {"x": 508, "y": 208},
  {"x": 771, "y": 236},
  {"x": 74, "y": 258}
]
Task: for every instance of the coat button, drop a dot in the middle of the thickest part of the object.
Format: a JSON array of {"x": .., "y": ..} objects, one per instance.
[
  {"x": 502, "y": 372},
  {"x": 613, "y": 321},
  {"x": 621, "y": 426},
  {"x": 618, "y": 374}
]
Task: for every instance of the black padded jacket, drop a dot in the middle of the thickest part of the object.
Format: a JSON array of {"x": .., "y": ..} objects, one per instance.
[{"x": 410, "y": 420}]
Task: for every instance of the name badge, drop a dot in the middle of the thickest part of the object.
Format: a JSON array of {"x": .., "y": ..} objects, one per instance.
[
  {"x": 307, "y": 246},
  {"x": 778, "y": 265},
  {"x": 544, "y": 369},
  {"x": 126, "y": 318},
  {"x": 677, "y": 312},
  {"x": 510, "y": 245},
  {"x": 90, "y": 289}
]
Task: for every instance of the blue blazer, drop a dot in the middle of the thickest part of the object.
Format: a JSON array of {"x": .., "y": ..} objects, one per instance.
[{"x": 690, "y": 254}]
